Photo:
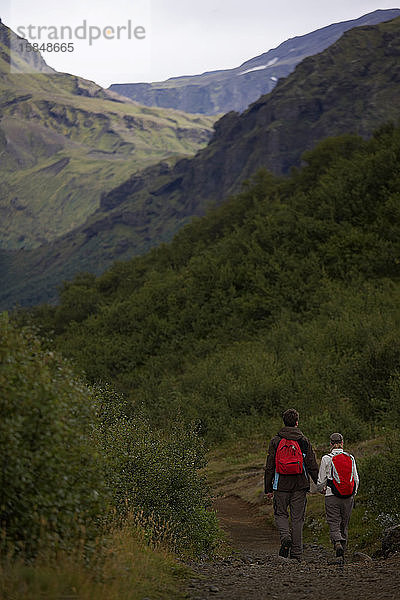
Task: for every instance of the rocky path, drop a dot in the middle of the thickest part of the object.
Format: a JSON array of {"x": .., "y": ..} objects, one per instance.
[{"x": 254, "y": 571}]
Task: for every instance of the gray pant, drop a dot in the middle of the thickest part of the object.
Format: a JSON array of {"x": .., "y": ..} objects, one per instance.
[
  {"x": 296, "y": 502},
  {"x": 338, "y": 512}
]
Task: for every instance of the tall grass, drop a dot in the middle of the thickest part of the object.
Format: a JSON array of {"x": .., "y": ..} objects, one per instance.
[{"x": 123, "y": 567}]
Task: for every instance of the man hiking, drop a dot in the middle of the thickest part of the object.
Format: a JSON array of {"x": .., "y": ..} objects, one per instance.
[
  {"x": 290, "y": 463},
  {"x": 338, "y": 480}
]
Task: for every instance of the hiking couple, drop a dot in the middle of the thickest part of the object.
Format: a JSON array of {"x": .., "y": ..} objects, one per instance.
[{"x": 290, "y": 463}]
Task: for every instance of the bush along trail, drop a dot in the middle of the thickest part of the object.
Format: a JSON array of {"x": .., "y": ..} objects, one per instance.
[{"x": 254, "y": 571}]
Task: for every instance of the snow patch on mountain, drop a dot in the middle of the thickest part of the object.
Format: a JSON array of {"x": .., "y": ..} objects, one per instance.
[
  {"x": 271, "y": 62},
  {"x": 260, "y": 68}
]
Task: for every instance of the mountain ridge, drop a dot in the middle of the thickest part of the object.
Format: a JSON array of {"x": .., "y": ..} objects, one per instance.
[{"x": 224, "y": 90}]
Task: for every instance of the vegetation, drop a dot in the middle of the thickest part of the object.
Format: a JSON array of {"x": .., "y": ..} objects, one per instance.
[
  {"x": 156, "y": 473},
  {"x": 87, "y": 487},
  {"x": 288, "y": 294},
  {"x": 381, "y": 471},
  {"x": 126, "y": 568},
  {"x": 285, "y": 295},
  {"x": 51, "y": 481}
]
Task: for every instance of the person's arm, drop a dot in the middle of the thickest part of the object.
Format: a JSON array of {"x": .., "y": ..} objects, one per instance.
[
  {"x": 356, "y": 477},
  {"x": 311, "y": 463},
  {"x": 323, "y": 474},
  {"x": 269, "y": 474}
]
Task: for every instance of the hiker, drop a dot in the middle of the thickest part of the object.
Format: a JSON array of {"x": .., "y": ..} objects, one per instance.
[
  {"x": 290, "y": 462},
  {"x": 338, "y": 480}
]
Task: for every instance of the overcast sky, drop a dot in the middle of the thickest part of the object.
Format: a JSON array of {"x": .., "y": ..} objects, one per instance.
[{"x": 172, "y": 37}]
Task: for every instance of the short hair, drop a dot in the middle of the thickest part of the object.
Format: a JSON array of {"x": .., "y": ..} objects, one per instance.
[
  {"x": 290, "y": 417},
  {"x": 336, "y": 438}
]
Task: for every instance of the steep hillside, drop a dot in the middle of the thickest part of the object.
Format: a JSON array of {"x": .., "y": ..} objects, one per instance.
[
  {"x": 354, "y": 86},
  {"x": 64, "y": 141},
  {"x": 287, "y": 293},
  {"x": 234, "y": 89}
]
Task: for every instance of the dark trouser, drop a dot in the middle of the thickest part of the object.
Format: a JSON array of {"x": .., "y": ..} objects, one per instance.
[
  {"x": 296, "y": 501},
  {"x": 338, "y": 512}
]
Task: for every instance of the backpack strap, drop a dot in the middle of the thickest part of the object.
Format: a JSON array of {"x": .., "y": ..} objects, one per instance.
[{"x": 304, "y": 445}]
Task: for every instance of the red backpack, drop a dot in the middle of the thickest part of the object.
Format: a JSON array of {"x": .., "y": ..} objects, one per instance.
[
  {"x": 288, "y": 458},
  {"x": 342, "y": 481}
]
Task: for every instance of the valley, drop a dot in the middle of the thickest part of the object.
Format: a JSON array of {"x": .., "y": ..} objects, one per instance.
[
  {"x": 353, "y": 86},
  {"x": 171, "y": 283},
  {"x": 65, "y": 142}
]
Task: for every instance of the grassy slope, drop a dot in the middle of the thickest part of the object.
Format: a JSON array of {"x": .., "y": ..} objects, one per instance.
[{"x": 64, "y": 142}]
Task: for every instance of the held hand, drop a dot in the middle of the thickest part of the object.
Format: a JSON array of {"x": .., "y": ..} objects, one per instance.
[{"x": 269, "y": 496}]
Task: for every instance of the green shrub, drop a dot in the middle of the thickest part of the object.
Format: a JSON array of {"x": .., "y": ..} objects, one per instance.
[
  {"x": 51, "y": 486},
  {"x": 232, "y": 385},
  {"x": 381, "y": 488},
  {"x": 155, "y": 473}
]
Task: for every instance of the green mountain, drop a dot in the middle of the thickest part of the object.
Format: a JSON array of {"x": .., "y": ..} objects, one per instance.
[
  {"x": 288, "y": 294},
  {"x": 64, "y": 141},
  {"x": 234, "y": 89},
  {"x": 354, "y": 86}
]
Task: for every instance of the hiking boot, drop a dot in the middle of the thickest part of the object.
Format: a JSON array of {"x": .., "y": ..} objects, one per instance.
[
  {"x": 339, "y": 549},
  {"x": 285, "y": 547}
]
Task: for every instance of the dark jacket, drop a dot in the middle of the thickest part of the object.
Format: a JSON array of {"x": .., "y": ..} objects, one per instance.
[{"x": 291, "y": 483}]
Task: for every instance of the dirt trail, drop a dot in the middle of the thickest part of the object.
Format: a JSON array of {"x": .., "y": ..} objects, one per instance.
[
  {"x": 254, "y": 571},
  {"x": 245, "y": 526}
]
